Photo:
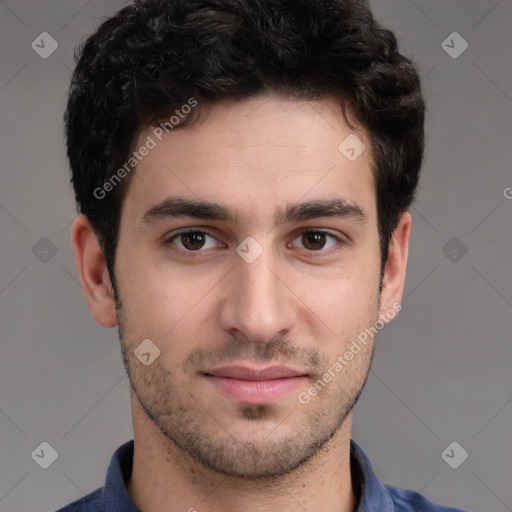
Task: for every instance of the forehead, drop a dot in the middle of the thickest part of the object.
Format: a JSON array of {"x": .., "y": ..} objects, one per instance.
[{"x": 255, "y": 156}]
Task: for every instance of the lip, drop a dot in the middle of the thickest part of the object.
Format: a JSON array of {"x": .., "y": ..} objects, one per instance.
[
  {"x": 248, "y": 373},
  {"x": 255, "y": 385}
]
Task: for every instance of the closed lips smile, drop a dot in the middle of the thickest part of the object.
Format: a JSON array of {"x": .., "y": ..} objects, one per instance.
[{"x": 253, "y": 385}]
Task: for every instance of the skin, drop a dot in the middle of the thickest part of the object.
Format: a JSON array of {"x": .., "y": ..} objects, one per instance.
[{"x": 299, "y": 303}]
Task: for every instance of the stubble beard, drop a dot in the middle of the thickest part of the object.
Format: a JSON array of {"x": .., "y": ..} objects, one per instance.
[{"x": 193, "y": 430}]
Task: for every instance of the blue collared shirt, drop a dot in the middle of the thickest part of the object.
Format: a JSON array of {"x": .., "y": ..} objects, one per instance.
[{"x": 374, "y": 496}]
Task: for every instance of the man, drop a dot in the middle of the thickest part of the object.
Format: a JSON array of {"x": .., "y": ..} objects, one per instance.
[{"x": 244, "y": 170}]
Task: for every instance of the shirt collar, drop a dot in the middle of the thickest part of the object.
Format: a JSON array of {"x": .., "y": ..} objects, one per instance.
[
  {"x": 371, "y": 492},
  {"x": 115, "y": 497}
]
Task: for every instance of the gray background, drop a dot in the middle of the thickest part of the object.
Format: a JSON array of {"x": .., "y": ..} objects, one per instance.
[{"x": 442, "y": 369}]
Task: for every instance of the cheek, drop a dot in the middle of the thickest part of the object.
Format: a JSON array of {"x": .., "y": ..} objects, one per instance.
[
  {"x": 343, "y": 301},
  {"x": 169, "y": 307}
]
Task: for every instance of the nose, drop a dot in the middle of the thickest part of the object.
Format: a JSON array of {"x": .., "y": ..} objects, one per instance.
[{"x": 256, "y": 303}]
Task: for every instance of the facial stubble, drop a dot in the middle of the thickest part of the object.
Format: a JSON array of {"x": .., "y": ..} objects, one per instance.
[{"x": 301, "y": 433}]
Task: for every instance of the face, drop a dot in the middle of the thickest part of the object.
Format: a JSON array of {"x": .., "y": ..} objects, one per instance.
[{"x": 249, "y": 256}]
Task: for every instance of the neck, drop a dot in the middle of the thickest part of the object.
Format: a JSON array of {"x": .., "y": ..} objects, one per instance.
[{"x": 165, "y": 479}]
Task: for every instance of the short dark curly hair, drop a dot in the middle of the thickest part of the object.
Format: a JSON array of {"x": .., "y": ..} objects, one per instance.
[{"x": 153, "y": 56}]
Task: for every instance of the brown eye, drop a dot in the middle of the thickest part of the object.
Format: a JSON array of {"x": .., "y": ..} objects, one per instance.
[
  {"x": 191, "y": 241},
  {"x": 317, "y": 240},
  {"x": 313, "y": 241}
]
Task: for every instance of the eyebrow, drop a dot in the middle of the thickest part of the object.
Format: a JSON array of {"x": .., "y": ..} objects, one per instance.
[{"x": 175, "y": 207}]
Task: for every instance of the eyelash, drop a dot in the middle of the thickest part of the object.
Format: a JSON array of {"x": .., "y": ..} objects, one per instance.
[{"x": 169, "y": 241}]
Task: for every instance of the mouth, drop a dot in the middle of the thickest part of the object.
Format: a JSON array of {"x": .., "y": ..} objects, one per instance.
[{"x": 255, "y": 385}]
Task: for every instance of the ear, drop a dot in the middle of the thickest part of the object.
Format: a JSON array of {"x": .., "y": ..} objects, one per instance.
[
  {"x": 92, "y": 270},
  {"x": 394, "y": 272}
]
